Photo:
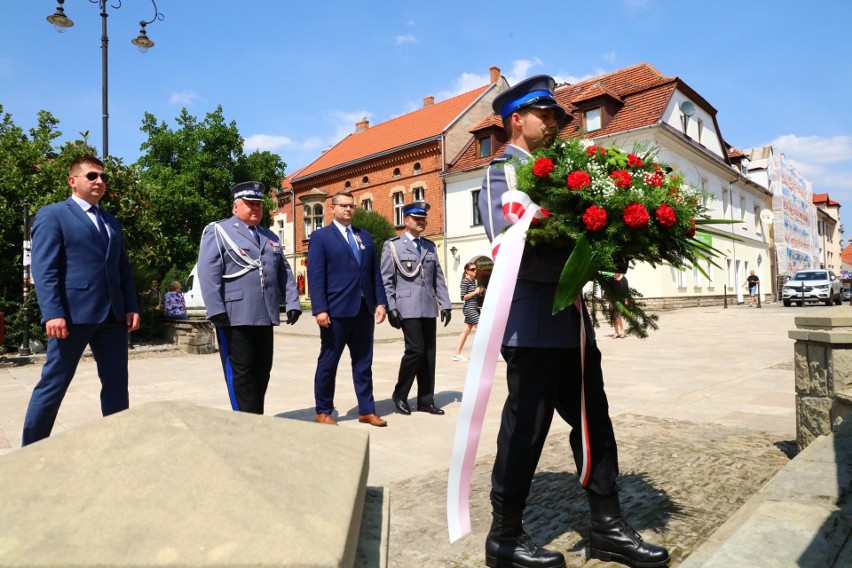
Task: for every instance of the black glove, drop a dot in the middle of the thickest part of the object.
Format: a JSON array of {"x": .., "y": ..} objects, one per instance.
[
  {"x": 446, "y": 316},
  {"x": 220, "y": 320},
  {"x": 292, "y": 316},
  {"x": 395, "y": 319}
]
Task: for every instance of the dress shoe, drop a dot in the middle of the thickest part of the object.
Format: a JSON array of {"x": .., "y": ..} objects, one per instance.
[
  {"x": 430, "y": 408},
  {"x": 372, "y": 419},
  {"x": 612, "y": 539},
  {"x": 508, "y": 546},
  {"x": 401, "y": 405},
  {"x": 325, "y": 419}
]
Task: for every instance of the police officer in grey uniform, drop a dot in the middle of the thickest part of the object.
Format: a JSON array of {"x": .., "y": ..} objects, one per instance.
[
  {"x": 415, "y": 286},
  {"x": 244, "y": 276}
]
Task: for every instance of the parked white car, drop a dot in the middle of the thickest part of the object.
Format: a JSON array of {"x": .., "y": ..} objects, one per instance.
[
  {"x": 192, "y": 295},
  {"x": 812, "y": 286}
]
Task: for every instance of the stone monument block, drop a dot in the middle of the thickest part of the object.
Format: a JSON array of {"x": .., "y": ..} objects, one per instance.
[{"x": 173, "y": 483}]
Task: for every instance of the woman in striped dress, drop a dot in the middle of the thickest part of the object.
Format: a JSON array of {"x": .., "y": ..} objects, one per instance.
[{"x": 470, "y": 294}]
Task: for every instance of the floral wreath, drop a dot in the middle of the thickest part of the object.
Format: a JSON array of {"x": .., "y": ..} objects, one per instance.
[{"x": 609, "y": 207}]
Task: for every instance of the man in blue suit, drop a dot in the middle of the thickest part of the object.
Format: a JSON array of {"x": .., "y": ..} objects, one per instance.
[
  {"x": 244, "y": 277},
  {"x": 347, "y": 296},
  {"x": 84, "y": 286}
]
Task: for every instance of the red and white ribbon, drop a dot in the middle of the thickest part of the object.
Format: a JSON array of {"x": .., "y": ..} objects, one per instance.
[{"x": 521, "y": 211}]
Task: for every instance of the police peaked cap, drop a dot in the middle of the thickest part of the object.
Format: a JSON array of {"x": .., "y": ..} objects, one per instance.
[
  {"x": 249, "y": 190},
  {"x": 535, "y": 92},
  {"x": 416, "y": 209}
]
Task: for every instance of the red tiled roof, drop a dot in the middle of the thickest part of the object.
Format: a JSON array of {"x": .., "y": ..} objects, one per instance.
[
  {"x": 846, "y": 255},
  {"x": 422, "y": 124},
  {"x": 644, "y": 91},
  {"x": 824, "y": 199}
]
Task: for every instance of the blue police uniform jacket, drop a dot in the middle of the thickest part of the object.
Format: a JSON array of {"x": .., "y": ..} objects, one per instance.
[
  {"x": 530, "y": 323},
  {"x": 417, "y": 287},
  {"x": 336, "y": 281},
  {"x": 254, "y": 297},
  {"x": 74, "y": 279}
]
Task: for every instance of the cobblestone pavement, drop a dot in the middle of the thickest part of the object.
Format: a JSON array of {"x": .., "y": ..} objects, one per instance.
[{"x": 679, "y": 482}]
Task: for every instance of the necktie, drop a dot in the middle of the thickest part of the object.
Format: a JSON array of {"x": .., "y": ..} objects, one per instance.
[
  {"x": 353, "y": 245},
  {"x": 101, "y": 227},
  {"x": 255, "y": 235},
  {"x": 417, "y": 244}
]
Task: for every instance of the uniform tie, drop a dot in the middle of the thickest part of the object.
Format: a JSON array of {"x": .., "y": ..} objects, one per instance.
[
  {"x": 255, "y": 235},
  {"x": 101, "y": 226},
  {"x": 417, "y": 245},
  {"x": 353, "y": 245}
]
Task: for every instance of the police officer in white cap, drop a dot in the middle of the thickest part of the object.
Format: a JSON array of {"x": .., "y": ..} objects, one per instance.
[
  {"x": 244, "y": 277},
  {"x": 415, "y": 287}
]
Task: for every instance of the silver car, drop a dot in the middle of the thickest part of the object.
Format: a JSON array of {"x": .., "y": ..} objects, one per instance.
[{"x": 812, "y": 286}]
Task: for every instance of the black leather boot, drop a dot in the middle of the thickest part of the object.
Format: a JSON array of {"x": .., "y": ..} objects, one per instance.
[
  {"x": 508, "y": 546},
  {"x": 612, "y": 539}
]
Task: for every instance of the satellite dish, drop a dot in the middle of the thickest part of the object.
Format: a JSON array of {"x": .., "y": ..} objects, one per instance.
[
  {"x": 767, "y": 217},
  {"x": 687, "y": 108}
]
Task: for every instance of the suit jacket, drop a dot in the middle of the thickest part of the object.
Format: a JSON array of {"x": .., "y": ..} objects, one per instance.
[
  {"x": 336, "y": 281},
  {"x": 244, "y": 299},
  {"x": 74, "y": 278},
  {"x": 530, "y": 322},
  {"x": 418, "y": 296}
]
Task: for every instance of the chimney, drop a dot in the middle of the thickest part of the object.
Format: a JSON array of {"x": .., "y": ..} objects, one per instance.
[
  {"x": 363, "y": 124},
  {"x": 428, "y": 101},
  {"x": 495, "y": 74}
]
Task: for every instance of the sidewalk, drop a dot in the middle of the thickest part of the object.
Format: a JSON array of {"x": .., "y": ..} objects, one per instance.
[{"x": 703, "y": 410}]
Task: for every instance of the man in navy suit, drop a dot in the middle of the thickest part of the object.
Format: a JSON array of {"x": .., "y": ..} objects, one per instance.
[
  {"x": 244, "y": 277},
  {"x": 347, "y": 296},
  {"x": 84, "y": 286},
  {"x": 544, "y": 368}
]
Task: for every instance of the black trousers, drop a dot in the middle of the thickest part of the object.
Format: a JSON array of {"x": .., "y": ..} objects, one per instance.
[
  {"x": 246, "y": 352},
  {"x": 541, "y": 380},
  {"x": 418, "y": 360}
]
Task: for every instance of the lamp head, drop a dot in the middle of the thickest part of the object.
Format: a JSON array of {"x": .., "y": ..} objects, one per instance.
[
  {"x": 142, "y": 42},
  {"x": 60, "y": 21}
]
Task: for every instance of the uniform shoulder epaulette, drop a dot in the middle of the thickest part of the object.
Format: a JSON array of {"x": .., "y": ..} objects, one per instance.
[
  {"x": 501, "y": 159},
  {"x": 396, "y": 238}
]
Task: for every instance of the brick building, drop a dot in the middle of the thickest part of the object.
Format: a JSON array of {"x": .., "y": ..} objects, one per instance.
[{"x": 384, "y": 167}]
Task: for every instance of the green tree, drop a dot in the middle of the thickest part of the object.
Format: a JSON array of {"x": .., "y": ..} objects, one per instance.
[
  {"x": 378, "y": 227},
  {"x": 190, "y": 170}
]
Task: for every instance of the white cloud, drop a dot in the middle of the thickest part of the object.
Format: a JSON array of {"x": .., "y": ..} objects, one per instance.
[
  {"x": 345, "y": 123},
  {"x": 407, "y": 38},
  {"x": 609, "y": 56},
  {"x": 185, "y": 98},
  {"x": 272, "y": 143},
  {"x": 820, "y": 149}
]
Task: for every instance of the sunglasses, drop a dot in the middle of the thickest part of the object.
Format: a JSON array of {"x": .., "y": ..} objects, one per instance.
[
  {"x": 92, "y": 176},
  {"x": 472, "y": 268},
  {"x": 345, "y": 205}
]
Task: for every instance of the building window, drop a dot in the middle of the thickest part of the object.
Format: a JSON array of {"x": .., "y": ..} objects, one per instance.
[
  {"x": 419, "y": 194},
  {"x": 396, "y": 173},
  {"x": 742, "y": 209},
  {"x": 592, "y": 119},
  {"x": 757, "y": 228},
  {"x": 367, "y": 204},
  {"x": 700, "y": 129},
  {"x": 365, "y": 180},
  {"x": 476, "y": 219},
  {"x": 313, "y": 219},
  {"x": 280, "y": 225},
  {"x": 483, "y": 147},
  {"x": 397, "y": 209},
  {"x": 417, "y": 168},
  {"x": 725, "y": 201},
  {"x": 347, "y": 185}
]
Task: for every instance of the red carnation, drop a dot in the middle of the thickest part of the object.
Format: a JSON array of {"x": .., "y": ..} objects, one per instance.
[
  {"x": 636, "y": 216},
  {"x": 621, "y": 178},
  {"x": 593, "y": 150},
  {"x": 543, "y": 167},
  {"x": 633, "y": 161},
  {"x": 666, "y": 215},
  {"x": 578, "y": 180},
  {"x": 654, "y": 179},
  {"x": 594, "y": 218},
  {"x": 691, "y": 232}
]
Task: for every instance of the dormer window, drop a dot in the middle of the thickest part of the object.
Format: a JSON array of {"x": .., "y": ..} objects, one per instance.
[
  {"x": 483, "y": 147},
  {"x": 592, "y": 119}
]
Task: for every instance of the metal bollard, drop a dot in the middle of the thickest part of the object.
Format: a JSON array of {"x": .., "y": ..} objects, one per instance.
[
  {"x": 758, "y": 294},
  {"x": 725, "y": 295}
]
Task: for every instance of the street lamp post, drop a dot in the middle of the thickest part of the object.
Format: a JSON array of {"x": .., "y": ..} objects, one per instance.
[{"x": 61, "y": 23}]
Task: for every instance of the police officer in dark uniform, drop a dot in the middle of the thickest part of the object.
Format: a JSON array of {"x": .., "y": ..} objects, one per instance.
[
  {"x": 244, "y": 276},
  {"x": 543, "y": 371},
  {"x": 415, "y": 286}
]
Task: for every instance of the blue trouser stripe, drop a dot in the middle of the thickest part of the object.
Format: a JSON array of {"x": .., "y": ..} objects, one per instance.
[{"x": 226, "y": 365}]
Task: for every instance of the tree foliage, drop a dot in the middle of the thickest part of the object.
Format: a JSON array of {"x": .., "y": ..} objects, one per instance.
[{"x": 378, "y": 227}]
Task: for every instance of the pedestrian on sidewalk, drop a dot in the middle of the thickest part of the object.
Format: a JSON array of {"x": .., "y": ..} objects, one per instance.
[
  {"x": 546, "y": 371},
  {"x": 348, "y": 300},
  {"x": 471, "y": 295},
  {"x": 415, "y": 287},
  {"x": 244, "y": 277},
  {"x": 751, "y": 283},
  {"x": 84, "y": 286}
]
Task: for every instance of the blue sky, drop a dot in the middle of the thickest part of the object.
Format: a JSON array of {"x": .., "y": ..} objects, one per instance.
[{"x": 297, "y": 76}]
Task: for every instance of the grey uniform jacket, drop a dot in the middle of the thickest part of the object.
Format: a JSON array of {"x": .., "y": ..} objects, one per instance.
[
  {"x": 530, "y": 323},
  {"x": 414, "y": 296},
  {"x": 242, "y": 298}
]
